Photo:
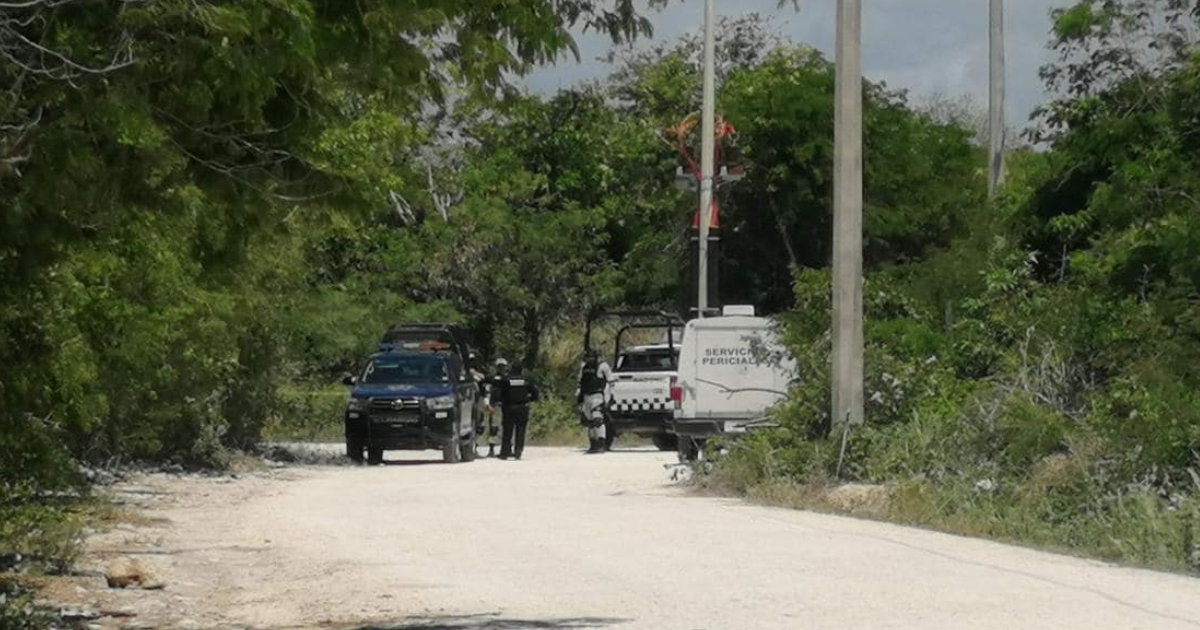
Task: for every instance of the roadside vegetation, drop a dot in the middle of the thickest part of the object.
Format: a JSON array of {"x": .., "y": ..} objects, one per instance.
[
  {"x": 1035, "y": 379},
  {"x": 211, "y": 210}
]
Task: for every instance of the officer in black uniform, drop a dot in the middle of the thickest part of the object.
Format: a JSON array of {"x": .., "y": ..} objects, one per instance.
[{"x": 514, "y": 393}]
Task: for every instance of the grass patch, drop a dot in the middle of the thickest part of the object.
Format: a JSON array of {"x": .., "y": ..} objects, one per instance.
[
  {"x": 1058, "y": 503},
  {"x": 40, "y": 534}
]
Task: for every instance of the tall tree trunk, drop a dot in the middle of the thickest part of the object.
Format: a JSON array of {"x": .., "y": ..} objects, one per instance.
[
  {"x": 532, "y": 329},
  {"x": 785, "y": 237}
]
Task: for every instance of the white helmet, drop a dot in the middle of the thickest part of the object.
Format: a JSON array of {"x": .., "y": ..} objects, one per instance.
[{"x": 501, "y": 362}]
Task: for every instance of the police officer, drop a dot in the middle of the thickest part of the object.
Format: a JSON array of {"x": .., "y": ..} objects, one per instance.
[
  {"x": 482, "y": 402},
  {"x": 514, "y": 393},
  {"x": 594, "y": 379},
  {"x": 493, "y": 401}
]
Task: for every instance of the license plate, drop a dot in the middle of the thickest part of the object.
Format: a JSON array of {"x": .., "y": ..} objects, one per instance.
[{"x": 397, "y": 419}]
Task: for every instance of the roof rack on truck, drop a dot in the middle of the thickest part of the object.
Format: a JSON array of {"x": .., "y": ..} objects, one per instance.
[
  {"x": 639, "y": 396},
  {"x": 428, "y": 337},
  {"x": 641, "y": 320}
]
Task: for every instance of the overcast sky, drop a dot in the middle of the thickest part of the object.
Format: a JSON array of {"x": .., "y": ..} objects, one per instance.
[{"x": 925, "y": 46}]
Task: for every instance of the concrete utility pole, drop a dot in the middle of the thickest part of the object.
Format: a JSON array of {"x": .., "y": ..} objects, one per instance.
[
  {"x": 997, "y": 126},
  {"x": 847, "y": 375},
  {"x": 707, "y": 155}
]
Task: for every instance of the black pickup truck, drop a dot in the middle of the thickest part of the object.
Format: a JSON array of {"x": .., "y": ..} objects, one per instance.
[{"x": 416, "y": 393}]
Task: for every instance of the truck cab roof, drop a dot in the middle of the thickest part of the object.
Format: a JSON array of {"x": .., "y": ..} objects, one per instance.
[
  {"x": 649, "y": 348},
  {"x": 427, "y": 337}
]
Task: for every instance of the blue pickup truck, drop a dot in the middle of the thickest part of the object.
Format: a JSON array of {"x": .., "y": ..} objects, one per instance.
[{"x": 412, "y": 399}]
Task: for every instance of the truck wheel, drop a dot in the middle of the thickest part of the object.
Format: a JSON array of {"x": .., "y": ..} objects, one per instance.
[
  {"x": 468, "y": 449},
  {"x": 666, "y": 442},
  {"x": 451, "y": 452},
  {"x": 374, "y": 455},
  {"x": 354, "y": 450},
  {"x": 689, "y": 449}
]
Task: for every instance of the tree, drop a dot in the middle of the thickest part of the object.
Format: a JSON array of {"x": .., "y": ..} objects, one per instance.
[
  {"x": 780, "y": 99},
  {"x": 161, "y": 167}
]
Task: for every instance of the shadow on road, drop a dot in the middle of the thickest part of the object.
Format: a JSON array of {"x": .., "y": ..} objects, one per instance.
[
  {"x": 492, "y": 622},
  {"x": 637, "y": 450},
  {"x": 413, "y": 462}
]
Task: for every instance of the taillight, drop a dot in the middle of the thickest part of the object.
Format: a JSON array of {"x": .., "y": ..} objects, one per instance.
[{"x": 676, "y": 392}]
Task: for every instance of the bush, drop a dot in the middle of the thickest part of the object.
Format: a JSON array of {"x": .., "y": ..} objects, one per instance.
[
  {"x": 1038, "y": 412},
  {"x": 554, "y": 421},
  {"x": 1029, "y": 432},
  {"x": 17, "y": 609},
  {"x": 310, "y": 412}
]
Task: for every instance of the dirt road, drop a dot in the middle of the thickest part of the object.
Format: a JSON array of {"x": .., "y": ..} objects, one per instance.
[{"x": 563, "y": 540}]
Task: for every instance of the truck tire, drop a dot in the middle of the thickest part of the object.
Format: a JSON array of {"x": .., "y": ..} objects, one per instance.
[
  {"x": 452, "y": 451},
  {"x": 354, "y": 450},
  {"x": 374, "y": 455},
  {"x": 468, "y": 449},
  {"x": 689, "y": 449},
  {"x": 666, "y": 442}
]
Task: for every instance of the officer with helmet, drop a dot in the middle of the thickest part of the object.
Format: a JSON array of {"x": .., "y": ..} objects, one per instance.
[{"x": 595, "y": 378}]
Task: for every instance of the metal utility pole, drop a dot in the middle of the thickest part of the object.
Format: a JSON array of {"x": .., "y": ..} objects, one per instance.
[
  {"x": 707, "y": 155},
  {"x": 997, "y": 127},
  {"x": 847, "y": 374}
]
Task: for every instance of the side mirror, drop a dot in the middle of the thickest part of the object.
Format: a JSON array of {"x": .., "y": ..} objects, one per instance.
[{"x": 349, "y": 380}]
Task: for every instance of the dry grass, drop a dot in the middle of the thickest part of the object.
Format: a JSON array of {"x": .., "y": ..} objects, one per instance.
[{"x": 860, "y": 500}]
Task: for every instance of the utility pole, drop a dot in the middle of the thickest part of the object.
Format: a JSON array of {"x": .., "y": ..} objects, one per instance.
[
  {"x": 707, "y": 155},
  {"x": 997, "y": 126},
  {"x": 847, "y": 374}
]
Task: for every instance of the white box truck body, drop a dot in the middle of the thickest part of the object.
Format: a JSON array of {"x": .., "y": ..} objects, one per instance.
[{"x": 732, "y": 370}]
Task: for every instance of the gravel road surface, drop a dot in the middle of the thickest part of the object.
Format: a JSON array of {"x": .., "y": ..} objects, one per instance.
[{"x": 563, "y": 540}]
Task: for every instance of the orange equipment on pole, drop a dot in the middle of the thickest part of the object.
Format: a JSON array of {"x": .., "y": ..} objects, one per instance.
[
  {"x": 724, "y": 132},
  {"x": 683, "y": 137}
]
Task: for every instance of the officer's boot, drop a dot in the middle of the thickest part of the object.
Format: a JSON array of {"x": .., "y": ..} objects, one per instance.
[{"x": 594, "y": 446}]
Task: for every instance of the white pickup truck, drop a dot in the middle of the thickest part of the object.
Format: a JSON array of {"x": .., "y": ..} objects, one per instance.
[
  {"x": 641, "y": 393},
  {"x": 732, "y": 370}
]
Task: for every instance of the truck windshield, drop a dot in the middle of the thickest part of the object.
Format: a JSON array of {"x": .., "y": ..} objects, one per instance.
[
  {"x": 652, "y": 361},
  {"x": 407, "y": 369}
]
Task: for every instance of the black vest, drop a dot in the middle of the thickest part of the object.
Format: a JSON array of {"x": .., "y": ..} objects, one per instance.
[
  {"x": 591, "y": 381},
  {"x": 515, "y": 391}
]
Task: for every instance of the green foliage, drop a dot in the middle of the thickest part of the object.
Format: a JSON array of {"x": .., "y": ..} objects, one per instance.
[
  {"x": 309, "y": 412},
  {"x": 555, "y": 421},
  {"x": 17, "y": 609},
  {"x": 1029, "y": 432},
  {"x": 208, "y": 218},
  {"x": 1034, "y": 379},
  {"x": 780, "y": 216}
]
